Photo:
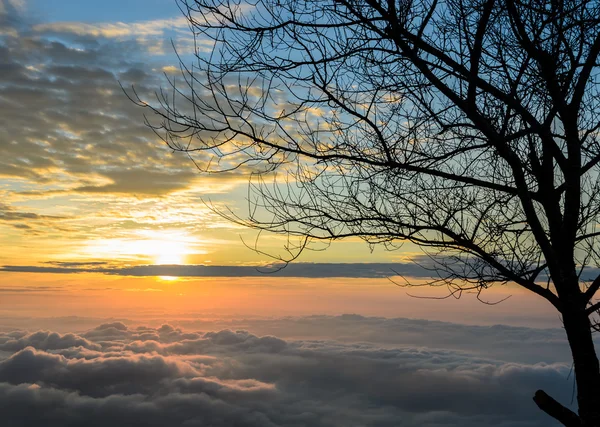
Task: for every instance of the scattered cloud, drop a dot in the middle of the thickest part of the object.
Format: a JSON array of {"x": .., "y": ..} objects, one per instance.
[
  {"x": 9, "y": 213},
  {"x": 140, "y": 181},
  {"x": 116, "y": 30},
  {"x": 170, "y": 69},
  {"x": 77, "y": 162}
]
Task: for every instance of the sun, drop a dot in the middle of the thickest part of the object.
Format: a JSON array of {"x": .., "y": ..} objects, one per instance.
[
  {"x": 153, "y": 247},
  {"x": 168, "y": 252},
  {"x": 164, "y": 258}
]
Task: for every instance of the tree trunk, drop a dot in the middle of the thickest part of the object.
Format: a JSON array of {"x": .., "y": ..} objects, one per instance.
[{"x": 587, "y": 369}]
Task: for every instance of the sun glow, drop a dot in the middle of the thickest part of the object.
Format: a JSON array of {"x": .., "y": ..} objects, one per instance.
[
  {"x": 161, "y": 248},
  {"x": 168, "y": 252}
]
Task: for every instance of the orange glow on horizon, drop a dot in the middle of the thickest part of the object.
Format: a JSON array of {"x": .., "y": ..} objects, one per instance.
[{"x": 94, "y": 294}]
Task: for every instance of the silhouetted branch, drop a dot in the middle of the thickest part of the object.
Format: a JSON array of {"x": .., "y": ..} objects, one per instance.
[
  {"x": 468, "y": 128},
  {"x": 557, "y": 411}
]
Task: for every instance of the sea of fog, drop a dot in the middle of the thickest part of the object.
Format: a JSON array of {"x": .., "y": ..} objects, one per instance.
[{"x": 346, "y": 370}]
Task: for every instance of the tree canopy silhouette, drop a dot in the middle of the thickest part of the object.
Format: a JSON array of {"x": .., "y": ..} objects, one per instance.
[{"x": 468, "y": 127}]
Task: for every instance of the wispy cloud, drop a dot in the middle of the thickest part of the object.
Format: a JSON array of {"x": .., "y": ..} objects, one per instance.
[
  {"x": 116, "y": 30},
  {"x": 28, "y": 221},
  {"x": 156, "y": 37}
]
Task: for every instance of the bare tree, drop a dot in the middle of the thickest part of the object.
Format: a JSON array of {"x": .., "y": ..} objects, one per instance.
[{"x": 468, "y": 127}]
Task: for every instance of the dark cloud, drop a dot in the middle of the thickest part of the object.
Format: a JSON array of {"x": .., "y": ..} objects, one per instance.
[
  {"x": 34, "y": 289},
  {"x": 36, "y": 269},
  {"x": 70, "y": 264},
  {"x": 297, "y": 269},
  {"x": 45, "y": 340},
  {"x": 62, "y": 324},
  {"x": 14, "y": 217},
  {"x": 117, "y": 374},
  {"x": 140, "y": 181},
  {"x": 313, "y": 270},
  {"x": 509, "y": 343}
]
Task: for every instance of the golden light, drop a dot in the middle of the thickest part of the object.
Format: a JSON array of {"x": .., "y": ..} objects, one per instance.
[
  {"x": 167, "y": 252},
  {"x": 155, "y": 247}
]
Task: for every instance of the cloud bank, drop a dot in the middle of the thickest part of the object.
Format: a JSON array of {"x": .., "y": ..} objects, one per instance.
[
  {"x": 312, "y": 270},
  {"x": 116, "y": 374},
  {"x": 296, "y": 269}
]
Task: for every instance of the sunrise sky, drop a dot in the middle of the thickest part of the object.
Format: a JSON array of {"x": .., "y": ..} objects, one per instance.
[
  {"x": 87, "y": 188},
  {"x": 92, "y": 204}
]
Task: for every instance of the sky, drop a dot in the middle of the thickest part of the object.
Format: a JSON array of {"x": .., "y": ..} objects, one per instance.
[
  {"x": 90, "y": 194},
  {"x": 83, "y": 179},
  {"x": 124, "y": 300}
]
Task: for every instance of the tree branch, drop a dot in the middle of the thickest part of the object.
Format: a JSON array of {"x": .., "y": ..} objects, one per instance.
[
  {"x": 591, "y": 291},
  {"x": 557, "y": 411},
  {"x": 592, "y": 308}
]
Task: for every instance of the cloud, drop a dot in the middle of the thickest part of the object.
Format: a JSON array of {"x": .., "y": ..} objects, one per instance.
[
  {"x": 12, "y": 6},
  {"x": 312, "y": 270},
  {"x": 71, "y": 264},
  {"x": 114, "y": 29},
  {"x": 16, "y": 218},
  {"x": 66, "y": 117},
  {"x": 155, "y": 376},
  {"x": 140, "y": 181},
  {"x": 154, "y": 37},
  {"x": 509, "y": 343},
  {"x": 296, "y": 269},
  {"x": 67, "y": 120},
  {"x": 45, "y": 340},
  {"x": 29, "y": 289},
  {"x": 77, "y": 162}
]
